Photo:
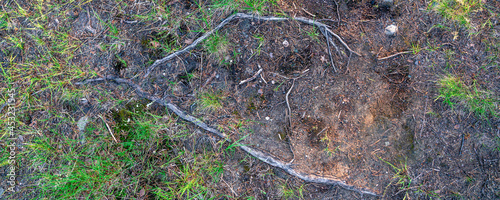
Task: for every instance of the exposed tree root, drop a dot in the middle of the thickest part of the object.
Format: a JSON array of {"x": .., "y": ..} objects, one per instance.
[
  {"x": 247, "y": 16},
  {"x": 263, "y": 156}
]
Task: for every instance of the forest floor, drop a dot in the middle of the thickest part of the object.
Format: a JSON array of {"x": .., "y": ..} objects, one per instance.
[{"x": 413, "y": 115}]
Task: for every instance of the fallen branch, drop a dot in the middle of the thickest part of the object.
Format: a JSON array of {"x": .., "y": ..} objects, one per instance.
[
  {"x": 244, "y": 16},
  {"x": 263, "y": 156}
]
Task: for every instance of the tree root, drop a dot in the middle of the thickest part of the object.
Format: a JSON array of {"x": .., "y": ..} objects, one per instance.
[
  {"x": 263, "y": 156},
  {"x": 247, "y": 16}
]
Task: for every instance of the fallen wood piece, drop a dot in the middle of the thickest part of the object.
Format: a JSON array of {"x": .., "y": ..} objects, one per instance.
[
  {"x": 393, "y": 55},
  {"x": 261, "y": 155},
  {"x": 251, "y": 78},
  {"x": 244, "y": 16}
]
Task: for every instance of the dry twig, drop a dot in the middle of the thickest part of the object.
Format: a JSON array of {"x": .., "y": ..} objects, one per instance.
[
  {"x": 288, "y": 104},
  {"x": 109, "y": 129},
  {"x": 393, "y": 55},
  {"x": 251, "y": 78}
]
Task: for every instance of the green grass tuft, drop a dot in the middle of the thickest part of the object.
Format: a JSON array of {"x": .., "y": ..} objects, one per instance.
[
  {"x": 211, "y": 101},
  {"x": 452, "y": 90},
  {"x": 456, "y": 10},
  {"x": 217, "y": 45}
]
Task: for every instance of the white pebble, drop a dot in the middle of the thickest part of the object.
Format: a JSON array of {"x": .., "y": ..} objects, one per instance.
[
  {"x": 285, "y": 43},
  {"x": 391, "y": 30}
]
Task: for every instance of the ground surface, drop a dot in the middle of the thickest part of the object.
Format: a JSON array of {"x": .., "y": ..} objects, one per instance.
[{"x": 384, "y": 125}]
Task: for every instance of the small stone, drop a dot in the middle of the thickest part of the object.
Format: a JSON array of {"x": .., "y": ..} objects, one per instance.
[
  {"x": 386, "y": 4},
  {"x": 188, "y": 41},
  {"x": 285, "y": 43},
  {"x": 391, "y": 30},
  {"x": 84, "y": 100},
  {"x": 387, "y": 143},
  {"x": 82, "y": 122}
]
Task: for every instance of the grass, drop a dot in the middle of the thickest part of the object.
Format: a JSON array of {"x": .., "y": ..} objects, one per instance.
[
  {"x": 457, "y": 10},
  {"x": 402, "y": 177},
  {"x": 257, "y": 6},
  {"x": 210, "y": 101},
  {"x": 313, "y": 34},
  {"x": 290, "y": 192},
  {"x": 217, "y": 45},
  {"x": 39, "y": 63},
  {"x": 453, "y": 91}
]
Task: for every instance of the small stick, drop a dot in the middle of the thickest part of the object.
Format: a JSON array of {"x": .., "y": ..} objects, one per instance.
[
  {"x": 209, "y": 79},
  {"x": 288, "y": 104},
  {"x": 322, "y": 131},
  {"x": 251, "y": 78},
  {"x": 338, "y": 13},
  {"x": 397, "y": 54},
  {"x": 231, "y": 188},
  {"x": 461, "y": 144},
  {"x": 109, "y": 129},
  {"x": 262, "y": 76},
  {"x": 348, "y": 60},
  {"x": 308, "y": 12},
  {"x": 329, "y": 53}
]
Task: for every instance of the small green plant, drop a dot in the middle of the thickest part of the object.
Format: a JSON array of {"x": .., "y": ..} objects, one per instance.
[
  {"x": 255, "y": 6},
  {"x": 288, "y": 192},
  {"x": 217, "y": 45},
  {"x": 277, "y": 87},
  {"x": 224, "y": 4},
  {"x": 415, "y": 48},
  {"x": 469, "y": 179},
  {"x": 401, "y": 175},
  {"x": 453, "y": 90},
  {"x": 314, "y": 34},
  {"x": 211, "y": 101},
  {"x": 233, "y": 146},
  {"x": 261, "y": 41}
]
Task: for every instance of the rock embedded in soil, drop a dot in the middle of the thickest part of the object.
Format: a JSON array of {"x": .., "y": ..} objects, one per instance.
[
  {"x": 82, "y": 123},
  {"x": 386, "y": 4},
  {"x": 285, "y": 43},
  {"x": 391, "y": 30}
]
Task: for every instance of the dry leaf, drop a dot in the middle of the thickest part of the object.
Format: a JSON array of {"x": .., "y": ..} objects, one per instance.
[
  {"x": 155, "y": 44},
  {"x": 188, "y": 41},
  {"x": 323, "y": 60},
  {"x": 142, "y": 192}
]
